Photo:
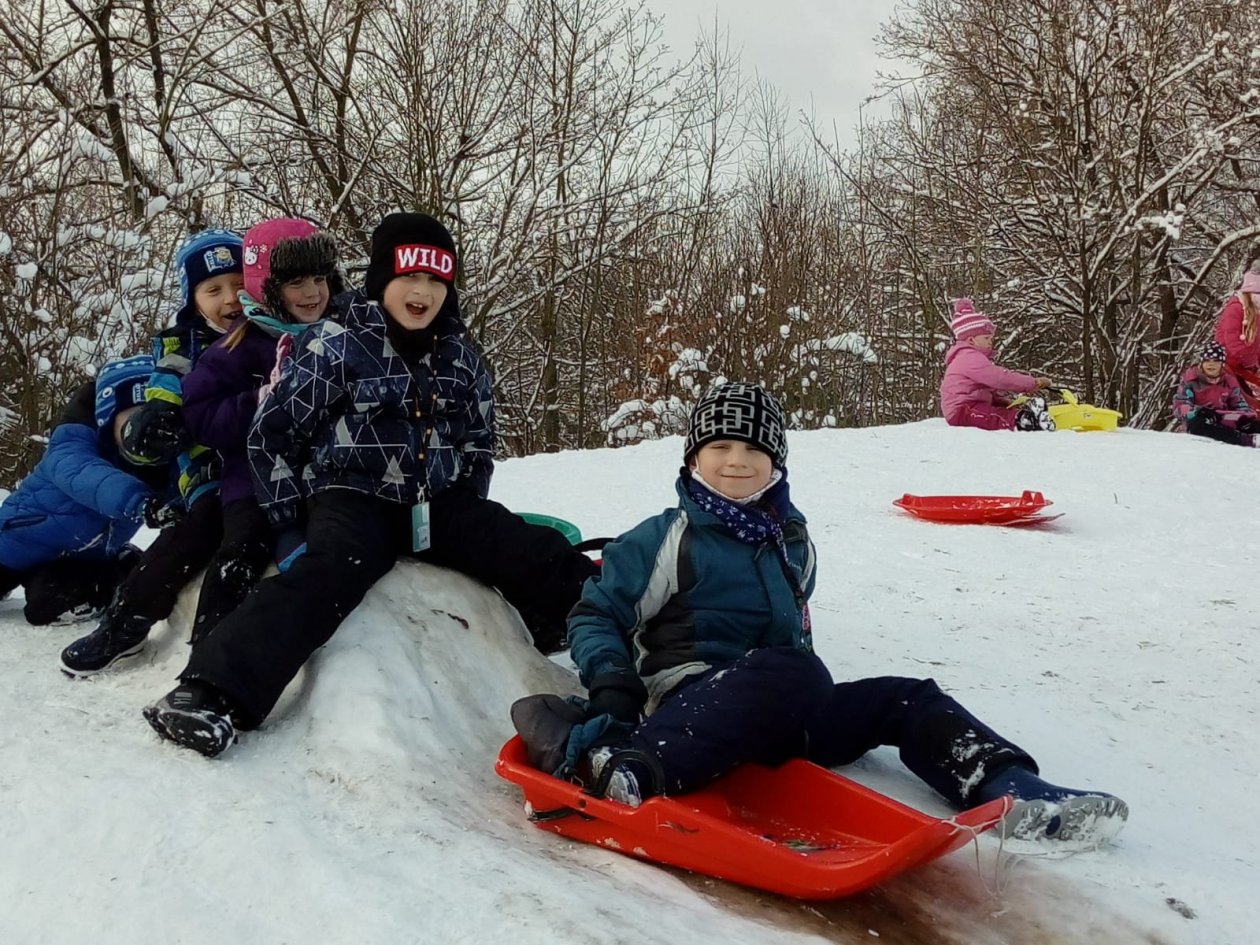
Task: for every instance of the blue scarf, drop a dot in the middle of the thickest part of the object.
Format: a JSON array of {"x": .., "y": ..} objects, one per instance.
[{"x": 753, "y": 524}]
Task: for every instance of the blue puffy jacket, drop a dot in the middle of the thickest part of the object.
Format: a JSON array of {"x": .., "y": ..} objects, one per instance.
[
  {"x": 349, "y": 412},
  {"x": 77, "y": 500},
  {"x": 683, "y": 595}
]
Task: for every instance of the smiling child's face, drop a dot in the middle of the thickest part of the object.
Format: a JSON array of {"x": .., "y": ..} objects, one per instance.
[
  {"x": 305, "y": 299},
  {"x": 733, "y": 467},
  {"x": 216, "y": 299},
  {"x": 414, "y": 300}
]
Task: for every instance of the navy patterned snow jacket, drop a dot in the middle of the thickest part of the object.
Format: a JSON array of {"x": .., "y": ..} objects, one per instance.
[{"x": 350, "y": 413}]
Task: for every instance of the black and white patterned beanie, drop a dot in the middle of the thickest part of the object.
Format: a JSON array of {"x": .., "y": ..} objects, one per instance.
[{"x": 743, "y": 412}]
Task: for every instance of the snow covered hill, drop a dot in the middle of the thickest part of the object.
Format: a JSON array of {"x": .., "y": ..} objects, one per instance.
[{"x": 1117, "y": 645}]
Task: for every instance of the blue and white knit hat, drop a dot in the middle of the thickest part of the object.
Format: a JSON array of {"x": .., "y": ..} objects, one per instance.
[
  {"x": 205, "y": 255},
  {"x": 119, "y": 385},
  {"x": 742, "y": 412}
]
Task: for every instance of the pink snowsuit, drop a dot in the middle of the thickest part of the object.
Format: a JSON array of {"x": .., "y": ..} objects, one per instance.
[
  {"x": 973, "y": 388},
  {"x": 1242, "y": 358}
]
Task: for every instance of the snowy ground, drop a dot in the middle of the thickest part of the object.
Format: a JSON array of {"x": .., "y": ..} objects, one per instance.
[{"x": 1116, "y": 645}]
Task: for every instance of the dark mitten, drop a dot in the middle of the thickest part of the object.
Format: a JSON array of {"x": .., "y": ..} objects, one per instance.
[
  {"x": 545, "y": 723},
  {"x": 619, "y": 693},
  {"x": 154, "y": 433},
  {"x": 1206, "y": 416},
  {"x": 159, "y": 513}
]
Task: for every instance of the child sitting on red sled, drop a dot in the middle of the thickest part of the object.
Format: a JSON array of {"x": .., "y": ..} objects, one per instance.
[
  {"x": 975, "y": 392},
  {"x": 1209, "y": 401},
  {"x": 699, "y": 622}
]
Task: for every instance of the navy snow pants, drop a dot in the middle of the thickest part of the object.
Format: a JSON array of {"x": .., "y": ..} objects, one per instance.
[
  {"x": 61, "y": 585},
  {"x": 779, "y": 703}
]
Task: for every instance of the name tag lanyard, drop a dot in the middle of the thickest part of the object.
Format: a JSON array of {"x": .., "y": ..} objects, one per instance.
[{"x": 421, "y": 534}]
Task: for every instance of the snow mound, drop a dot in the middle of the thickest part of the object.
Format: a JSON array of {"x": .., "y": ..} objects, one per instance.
[{"x": 366, "y": 810}]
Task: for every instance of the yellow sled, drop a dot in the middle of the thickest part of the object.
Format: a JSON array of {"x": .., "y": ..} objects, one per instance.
[{"x": 1083, "y": 418}]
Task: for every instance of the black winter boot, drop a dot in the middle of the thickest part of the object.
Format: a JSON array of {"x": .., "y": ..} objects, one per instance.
[
  {"x": 119, "y": 634},
  {"x": 194, "y": 715}
]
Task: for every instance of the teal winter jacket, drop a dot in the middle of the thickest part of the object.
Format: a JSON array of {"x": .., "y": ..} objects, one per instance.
[{"x": 679, "y": 595}]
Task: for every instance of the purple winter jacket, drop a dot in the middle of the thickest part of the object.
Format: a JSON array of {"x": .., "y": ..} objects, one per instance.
[
  {"x": 220, "y": 398},
  {"x": 971, "y": 377}
]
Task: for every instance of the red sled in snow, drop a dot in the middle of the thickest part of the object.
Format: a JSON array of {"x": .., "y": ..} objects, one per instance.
[
  {"x": 978, "y": 509},
  {"x": 798, "y": 829}
]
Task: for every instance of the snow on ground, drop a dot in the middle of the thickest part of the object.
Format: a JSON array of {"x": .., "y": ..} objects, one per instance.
[{"x": 1116, "y": 645}]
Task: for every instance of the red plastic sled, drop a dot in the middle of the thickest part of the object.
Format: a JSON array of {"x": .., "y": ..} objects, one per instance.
[
  {"x": 974, "y": 509},
  {"x": 798, "y": 829}
]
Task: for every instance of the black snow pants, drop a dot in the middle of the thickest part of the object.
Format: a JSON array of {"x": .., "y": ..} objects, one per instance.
[
  {"x": 780, "y": 703},
  {"x": 234, "y": 569},
  {"x": 352, "y": 541},
  {"x": 1241, "y": 434},
  {"x": 62, "y": 585},
  {"x": 178, "y": 552}
]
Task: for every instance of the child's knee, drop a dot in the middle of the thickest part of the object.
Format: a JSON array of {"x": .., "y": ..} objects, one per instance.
[
  {"x": 793, "y": 672},
  {"x": 910, "y": 690}
]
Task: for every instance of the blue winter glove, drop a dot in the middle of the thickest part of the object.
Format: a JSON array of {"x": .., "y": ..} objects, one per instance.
[
  {"x": 290, "y": 545},
  {"x": 596, "y": 731}
]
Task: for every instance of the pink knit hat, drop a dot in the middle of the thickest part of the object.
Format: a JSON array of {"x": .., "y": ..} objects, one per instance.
[
  {"x": 967, "y": 321},
  {"x": 1251, "y": 281},
  {"x": 260, "y": 240}
]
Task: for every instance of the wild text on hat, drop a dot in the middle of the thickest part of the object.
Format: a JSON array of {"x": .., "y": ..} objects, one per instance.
[{"x": 417, "y": 258}]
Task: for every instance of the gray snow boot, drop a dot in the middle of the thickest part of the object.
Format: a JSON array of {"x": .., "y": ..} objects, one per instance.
[
  {"x": 1054, "y": 817},
  {"x": 193, "y": 715}
]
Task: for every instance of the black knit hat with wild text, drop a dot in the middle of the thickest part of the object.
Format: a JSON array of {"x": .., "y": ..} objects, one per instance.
[{"x": 408, "y": 242}]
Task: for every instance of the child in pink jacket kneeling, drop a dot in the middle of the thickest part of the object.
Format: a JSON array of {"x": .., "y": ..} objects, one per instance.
[
  {"x": 1209, "y": 401},
  {"x": 975, "y": 392}
]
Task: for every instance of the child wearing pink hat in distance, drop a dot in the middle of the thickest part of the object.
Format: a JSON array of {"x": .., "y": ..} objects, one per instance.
[{"x": 975, "y": 392}]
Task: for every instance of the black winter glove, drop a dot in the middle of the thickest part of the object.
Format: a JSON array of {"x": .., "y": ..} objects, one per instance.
[
  {"x": 1207, "y": 416},
  {"x": 158, "y": 513},
  {"x": 620, "y": 694},
  {"x": 155, "y": 432}
]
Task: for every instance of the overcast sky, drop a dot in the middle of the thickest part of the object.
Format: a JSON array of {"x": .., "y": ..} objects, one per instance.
[{"x": 823, "y": 48}]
